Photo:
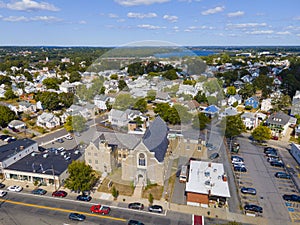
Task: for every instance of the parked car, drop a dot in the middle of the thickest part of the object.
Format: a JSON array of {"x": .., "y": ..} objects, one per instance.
[
  {"x": 247, "y": 190},
  {"x": 155, "y": 208},
  {"x": 237, "y": 158},
  {"x": 135, "y": 222},
  {"x": 85, "y": 198},
  {"x": 272, "y": 154},
  {"x": 59, "y": 140},
  {"x": 3, "y": 193},
  {"x": 4, "y": 136},
  {"x": 69, "y": 137},
  {"x": 15, "y": 188},
  {"x": 275, "y": 138},
  {"x": 59, "y": 193},
  {"x": 10, "y": 139},
  {"x": 242, "y": 164},
  {"x": 214, "y": 156},
  {"x": 100, "y": 209},
  {"x": 253, "y": 208},
  {"x": 273, "y": 159},
  {"x": 292, "y": 198},
  {"x": 136, "y": 205},
  {"x": 2, "y": 185},
  {"x": 76, "y": 216},
  {"x": 277, "y": 164},
  {"x": 282, "y": 175},
  {"x": 268, "y": 150},
  {"x": 240, "y": 169},
  {"x": 39, "y": 191}
]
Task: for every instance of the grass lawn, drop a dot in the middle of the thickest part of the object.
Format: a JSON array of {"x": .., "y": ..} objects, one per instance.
[
  {"x": 155, "y": 190},
  {"x": 123, "y": 189}
]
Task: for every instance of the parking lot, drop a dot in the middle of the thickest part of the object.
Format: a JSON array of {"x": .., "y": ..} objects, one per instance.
[{"x": 261, "y": 176}]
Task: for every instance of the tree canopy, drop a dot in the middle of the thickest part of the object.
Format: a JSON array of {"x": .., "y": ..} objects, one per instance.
[
  {"x": 51, "y": 83},
  {"x": 141, "y": 105},
  {"x": 261, "y": 133},
  {"x": 74, "y": 77},
  {"x": 234, "y": 126},
  {"x": 200, "y": 121},
  {"x": 81, "y": 176},
  {"x": 6, "y": 115},
  {"x": 75, "y": 123}
]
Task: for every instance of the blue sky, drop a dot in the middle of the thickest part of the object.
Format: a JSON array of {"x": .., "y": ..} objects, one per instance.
[{"x": 120, "y": 22}]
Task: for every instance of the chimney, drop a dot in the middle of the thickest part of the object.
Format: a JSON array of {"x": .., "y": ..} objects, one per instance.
[
  {"x": 209, "y": 164},
  {"x": 224, "y": 177}
]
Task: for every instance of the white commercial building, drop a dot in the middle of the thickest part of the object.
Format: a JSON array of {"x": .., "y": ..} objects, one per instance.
[{"x": 295, "y": 152}]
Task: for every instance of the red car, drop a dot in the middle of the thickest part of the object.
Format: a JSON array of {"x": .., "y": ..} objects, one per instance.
[
  {"x": 100, "y": 209},
  {"x": 59, "y": 194}
]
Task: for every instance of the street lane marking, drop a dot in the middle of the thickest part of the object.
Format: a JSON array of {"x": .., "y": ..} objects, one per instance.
[{"x": 63, "y": 210}]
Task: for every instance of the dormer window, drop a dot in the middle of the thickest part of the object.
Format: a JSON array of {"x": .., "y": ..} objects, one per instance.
[{"x": 142, "y": 159}]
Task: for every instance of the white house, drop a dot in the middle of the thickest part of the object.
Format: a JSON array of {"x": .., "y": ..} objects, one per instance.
[
  {"x": 187, "y": 90},
  {"x": 249, "y": 120},
  {"x": 100, "y": 101},
  {"x": 234, "y": 98},
  {"x": 266, "y": 104},
  {"x": 47, "y": 120}
]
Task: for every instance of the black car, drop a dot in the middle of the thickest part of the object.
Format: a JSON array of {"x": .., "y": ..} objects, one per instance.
[
  {"x": 76, "y": 216},
  {"x": 2, "y": 185},
  {"x": 136, "y": 205},
  {"x": 269, "y": 149},
  {"x": 292, "y": 198},
  {"x": 282, "y": 175},
  {"x": 39, "y": 191},
  {"x": 240, "y": 169},
  {"x": 85, "y": 198},
  {"x": 155, "y": 208},
  {"x": 277, "y": 164},
  {"x": 246, "y": 190},
  {"x": 135, "y": 222},
  {"x": 253, "y": 208},
  {"x": 59, "y": 140},
  {"x": 4, "y": 136},
  {"x": 214, "y": 156},
  {"x": 237, "y": 158}
]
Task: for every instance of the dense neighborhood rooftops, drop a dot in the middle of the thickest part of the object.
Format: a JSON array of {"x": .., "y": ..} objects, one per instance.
[
  {"x": 207, "y": 178},
  {"x": 8, "y": 150},
  {"x": 278, "y": 118},
  {"x": 50, "y": 162},
  {"x": 155, "y": 138}
]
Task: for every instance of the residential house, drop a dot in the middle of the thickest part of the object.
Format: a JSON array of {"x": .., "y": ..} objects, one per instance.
[
  {"x": 278, "y": 122},
  {"x": 253, "y": 102},
  {"x": 47, "y": 120},
  {"x": 87, "y": 111},
  {"x": 234, "y": 98},
  {"x": 26, "y": 107},
  {"x": 266, "y": 105},
  {"x": 162, "y": 97},
  {"x": 295, "y": 110},
  {"x": 192, "y": 105},
  {"x": 67, "y": 87},
  {"x": 118, "y": 118},
  {"x": 100, "y": 102},
  {"x": 250, "y": 120},
  {"x": 211, "y": 111},
  {"x": 187, "y": 90},
  {"x": 17, "y": 125},
  {"x": 207, "y": 184},
  {"x": 229, "y": 111},
  {"x": 247, "y": 78}
]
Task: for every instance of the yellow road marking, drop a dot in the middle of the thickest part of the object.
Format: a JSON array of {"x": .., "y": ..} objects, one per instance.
[{"x": 63, "y": 210}]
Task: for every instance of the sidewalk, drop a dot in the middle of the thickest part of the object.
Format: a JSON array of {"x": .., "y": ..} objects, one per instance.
[{"x": 123, "y": 201}]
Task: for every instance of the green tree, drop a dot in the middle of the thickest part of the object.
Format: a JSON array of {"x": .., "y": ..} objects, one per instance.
[
  {"x": 81, "y": 176},
  {"x": 6, "y": 115},
  {"x": 74, "y": 77},
  {"x": 170, "y": 74},
  {"x": 261, "y": 133},
  {"x": 172, "y": 116},
  {"x": 66, "y": 99},
  {"x": 231, "y": 90},
  {"x": 122, "y": 85},
  {"x": 5, "y": 80},
  {"x": 49, "y": 100},
  {"x": 247, "y": 91},
  {"x": 184, "y": 115},
  {"x": 9, "y": 94},
  {"x": 141, "y": 105},
  {"x": 200, "y": 121},
  {"x": 51, "y": 83},
  {"x": 123, "y": 101},
  {"x": 150, "y": 199},
  {"x": 234, "y": 126},
  {"x": 114, "y": 77},
  {"x": 28, "y": 76},
  {"x": 75, "y": 123},
  {"x": 114, "y": 192},
  {"x": 151, "y": 95},
  {"x": 200, "y": 97}
]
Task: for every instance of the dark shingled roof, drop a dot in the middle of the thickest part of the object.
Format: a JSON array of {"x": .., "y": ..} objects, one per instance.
[
  {"x": 43, "y": 165},
  {"x": 155, "y": 138},
  {"x": 13, "y": 148}
]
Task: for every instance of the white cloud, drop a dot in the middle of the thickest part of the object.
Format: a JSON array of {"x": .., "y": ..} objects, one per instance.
[
  {"x": 245, "y": 25},
  {"x": 235, "y": 14},
  {"x": 29, "y": 5},
  {"x": 15, "y": 19},
  {"x": 298, "y": 35},
  {"x": 150, "y": 27},
  {"x": 141, "y": 15},
  {"x": 283, "y": 33},
  {"x": 27, "y": 19},
  {"x": 82, "y": 22},
  {"x": 297, "y": 18},
  {"x": 170, "y": 18},
  {"x": 139, "y": 2},
  {"x": 112, "y": 15},
  {"x": 121, "y": 20},
  {"x": 213, "y": 10},
  {"x": 257, "y": 32},
  {"x": 293, "y": 28}
]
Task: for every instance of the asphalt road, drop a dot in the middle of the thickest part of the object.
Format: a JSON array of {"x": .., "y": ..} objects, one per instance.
[{"x": 49, "y": 210}]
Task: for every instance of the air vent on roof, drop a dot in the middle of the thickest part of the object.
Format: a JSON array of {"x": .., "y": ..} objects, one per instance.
[
  {"x": 45, "y": 155},
  {"x": 76, "y": 152},
  {"x": 33, "y": 154},
  {"x": 207, "y": 182}
]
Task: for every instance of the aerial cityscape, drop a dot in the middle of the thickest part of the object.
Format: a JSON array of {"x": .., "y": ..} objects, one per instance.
[{"x": 149, "y": 112}]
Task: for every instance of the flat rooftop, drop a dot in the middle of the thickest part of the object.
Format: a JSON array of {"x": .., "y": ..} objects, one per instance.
[
  {"x": 42, "y": 163},
  {"x": 10, "y": 149},
  {"x": 205, "y": 176}
]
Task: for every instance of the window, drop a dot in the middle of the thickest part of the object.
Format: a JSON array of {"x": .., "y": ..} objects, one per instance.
[
  {"x": 142, "y": 160},
  {"x": 89, "y": 153},
  {"x": 90, "y": 161},
  {"x": 95, "y": 154},
  {"x": 96, "y": 161},
  {"x": 199, "y": 148},
  {"x": 188, "y": 147}
]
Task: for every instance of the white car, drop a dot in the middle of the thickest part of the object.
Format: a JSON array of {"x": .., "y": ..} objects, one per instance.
[
  {"x": 68, "y": 137},
  {"x": 2, "y": 193},
  {"x": 15, "y": 188}
]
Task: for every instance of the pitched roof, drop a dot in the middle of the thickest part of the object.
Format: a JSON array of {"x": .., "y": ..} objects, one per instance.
[
  {"x": 155, "y": 138},
  {"x": 278, "y": 118},
  {"x": 211, "y": 109}
]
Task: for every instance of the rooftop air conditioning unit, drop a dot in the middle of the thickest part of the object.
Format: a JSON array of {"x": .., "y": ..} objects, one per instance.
[{"x": 45, "y": 155}]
